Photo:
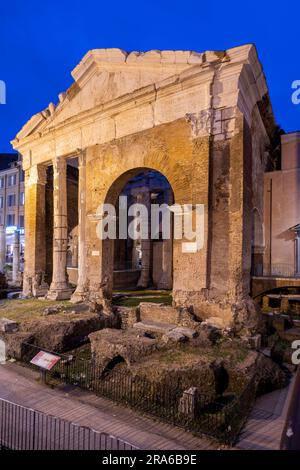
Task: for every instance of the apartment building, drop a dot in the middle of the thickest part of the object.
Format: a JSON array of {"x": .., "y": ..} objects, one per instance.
[
  {"x": 12, "y": 201},
  {"x": 282, "y": 212}
]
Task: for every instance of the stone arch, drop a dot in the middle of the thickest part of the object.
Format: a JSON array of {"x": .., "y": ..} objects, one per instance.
[
  {"x": 111, "y": 198},
  {"x": 112, "y": 363},
  {"x": 169, "y": 150}
]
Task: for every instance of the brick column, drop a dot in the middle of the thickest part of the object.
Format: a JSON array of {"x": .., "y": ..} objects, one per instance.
[
  {"x": 59, "y": 289},
  {"x": 35, "y": 239},
  {"x": 80, "y": 291}
]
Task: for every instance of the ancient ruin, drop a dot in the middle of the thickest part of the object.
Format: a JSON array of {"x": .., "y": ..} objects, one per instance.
[{"x": 201, "y": 120}]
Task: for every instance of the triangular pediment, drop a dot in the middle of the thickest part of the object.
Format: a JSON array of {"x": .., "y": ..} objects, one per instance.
[
  {"x": 110, "y": 78},
  {"x": 106, "y": 74}
]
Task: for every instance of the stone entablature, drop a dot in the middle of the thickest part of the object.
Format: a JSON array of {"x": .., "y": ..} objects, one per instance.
[
  {"x": 193, "y": 117},
  {"x": 220, "y": 80}
]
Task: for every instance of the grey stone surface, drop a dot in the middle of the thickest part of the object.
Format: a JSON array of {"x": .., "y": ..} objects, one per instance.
[{"x": 8, "y": 326}]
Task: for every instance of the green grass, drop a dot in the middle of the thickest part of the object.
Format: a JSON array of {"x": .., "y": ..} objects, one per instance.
[
  {"x": 135, "y": 301},
  {"x": 142, "y": 292},
  {"x": 30, "y": 309}
]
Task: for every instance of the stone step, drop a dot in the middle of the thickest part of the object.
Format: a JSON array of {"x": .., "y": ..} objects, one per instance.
[
  {"x": 148, "y": 326},
  {"x": 150, "y": 311}
]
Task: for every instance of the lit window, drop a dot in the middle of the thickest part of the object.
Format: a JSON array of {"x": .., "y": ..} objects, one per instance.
[
  {"x": 22, "y": 199},
  {"x": 12, "y": 180}
]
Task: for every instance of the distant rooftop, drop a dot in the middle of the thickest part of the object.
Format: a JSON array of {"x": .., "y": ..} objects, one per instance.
[
  {"x": 290, "y": 137},
  {"x": 6, "y": 159}
]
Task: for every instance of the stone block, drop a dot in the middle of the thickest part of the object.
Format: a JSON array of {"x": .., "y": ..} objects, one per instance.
[
  {"x": 195, "y": 58},
  {"x": 2, "y": 351},
  {"x": 216, "y": 322},
  {"x": 15, "y": 346},
  {"x": 108, "y": 344},
  {"x": 158, "y": 313},
  {"x": 156, "y": 328},
  {"x": 265, "y": 302},
  {"x": 188, "y": 403},
  {"x": 187, "y": 332},
  {"x": 8, "y": 326},
  {"x": 174, "y": 336},
  {"x": 128, "y": 315}
]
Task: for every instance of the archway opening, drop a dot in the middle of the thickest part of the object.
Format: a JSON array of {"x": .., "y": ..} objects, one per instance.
[
  {"x": 143, "y": 259},
  {"x": 115, "y": 364}
]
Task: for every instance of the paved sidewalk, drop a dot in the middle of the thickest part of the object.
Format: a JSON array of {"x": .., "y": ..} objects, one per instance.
[
  {"x": 19, "y": 384},
  {"x": 266, "y": 422}
]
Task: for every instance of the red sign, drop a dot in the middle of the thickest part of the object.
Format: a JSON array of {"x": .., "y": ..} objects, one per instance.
[{"x": 45, "y": 360}]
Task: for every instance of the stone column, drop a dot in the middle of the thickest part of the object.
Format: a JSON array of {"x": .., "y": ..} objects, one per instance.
[
  {"x": 80, "y": 291},
  {"x": 2, "y": 248},
  {"x": 59, "y": 289},
  {"x": 135, "y": 255},
  {"x": 35, "y": 224},
  {"x": 143, "y": 197},
  {"x": 135, "y": 243},
  {"x": 165, "y": 281},
  {"x": 16, "y": 257}
]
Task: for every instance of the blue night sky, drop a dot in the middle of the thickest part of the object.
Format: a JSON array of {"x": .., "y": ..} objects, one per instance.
[{"x": 42, "y": 41}]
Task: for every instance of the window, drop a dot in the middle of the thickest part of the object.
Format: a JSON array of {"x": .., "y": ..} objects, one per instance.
[
  {"x": 21, "y": 221},
  {"x": 1, "y": 202},
  {"x": 10, "y": 220},
  {"x": 21, "y": 177},
  {"x": 2, "y": 182},
  {"x": 12, "y": 180},
  {"x": 11, "y": 200},
  {"x": 22, "y": 199}
]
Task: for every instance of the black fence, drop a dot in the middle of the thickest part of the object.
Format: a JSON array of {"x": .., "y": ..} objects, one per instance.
[
  {"x": 220, "y": 418},
  {"x": 22, "y": 428}
]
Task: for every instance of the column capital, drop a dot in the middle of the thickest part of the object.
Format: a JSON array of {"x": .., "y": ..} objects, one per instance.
[
  {"x": 59, "y": 165},
  {"x": 36, "y": 174}
]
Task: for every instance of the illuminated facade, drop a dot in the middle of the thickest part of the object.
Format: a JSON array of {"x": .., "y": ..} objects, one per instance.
[{"x": 12, "y": 201}]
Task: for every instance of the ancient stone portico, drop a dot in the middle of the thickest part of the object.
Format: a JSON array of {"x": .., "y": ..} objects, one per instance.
[{"x": 203, "y": 120}]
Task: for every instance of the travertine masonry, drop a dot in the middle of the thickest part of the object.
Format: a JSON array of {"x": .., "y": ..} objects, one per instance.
[{"x": 197, "y": 119}]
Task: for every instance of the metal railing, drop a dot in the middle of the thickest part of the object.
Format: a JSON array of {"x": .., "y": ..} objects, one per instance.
[
  {"x": 281, "y": 270},
  {"x": 220, "y": 418},
  {"x": 23, "y": 428}
]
